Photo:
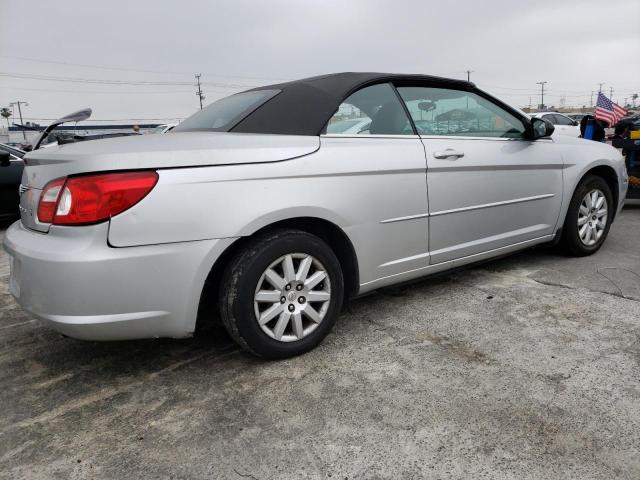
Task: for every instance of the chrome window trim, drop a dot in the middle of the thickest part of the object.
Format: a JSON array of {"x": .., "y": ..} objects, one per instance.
[
  {"x": 367, "y": 135},
  {"x": 431, "y": 137},
  {"x": 494, "y": 139}
]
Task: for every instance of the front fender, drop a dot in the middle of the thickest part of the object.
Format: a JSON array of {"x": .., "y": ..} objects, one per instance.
[{"x": 584, "y": 156}]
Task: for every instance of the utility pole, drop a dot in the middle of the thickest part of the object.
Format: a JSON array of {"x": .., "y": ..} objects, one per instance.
[
  {"x": 600, "y": 84},
  {"x": 592, "y": 98},
  {"x": 199, "y": 92},
  {"x": 18, "y": 103},
  {"x": 542, "y": 84},
  {"x": 469, "y": 72},
  {"x": 611, "y": 93}
]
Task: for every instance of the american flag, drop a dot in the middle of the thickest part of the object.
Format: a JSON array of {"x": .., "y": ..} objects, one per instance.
[{"x": 608, "y": 111}]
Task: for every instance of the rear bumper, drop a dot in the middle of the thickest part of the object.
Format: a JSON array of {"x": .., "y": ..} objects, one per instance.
[{"x": 81, "y": 287}]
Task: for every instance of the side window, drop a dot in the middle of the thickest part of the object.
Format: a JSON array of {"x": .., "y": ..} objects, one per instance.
[
  {"x": 440, "y": 111},
  {"x": 550, "y": 117},
  {"x": 374, "y": 110},
  {"x": 562, "y": 120}
]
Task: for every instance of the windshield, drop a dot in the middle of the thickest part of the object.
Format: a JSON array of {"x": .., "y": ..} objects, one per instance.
[{"x": 223, "y": 114}]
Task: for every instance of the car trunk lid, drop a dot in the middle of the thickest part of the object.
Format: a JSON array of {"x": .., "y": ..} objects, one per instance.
[{"x": 170, "y": 150}]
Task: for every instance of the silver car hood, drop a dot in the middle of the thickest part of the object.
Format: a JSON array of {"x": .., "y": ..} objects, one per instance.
[{"x": 169, "y": 150}]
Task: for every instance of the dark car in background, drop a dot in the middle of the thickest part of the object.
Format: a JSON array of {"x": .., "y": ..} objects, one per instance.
[{"x": 11, "y": 167}]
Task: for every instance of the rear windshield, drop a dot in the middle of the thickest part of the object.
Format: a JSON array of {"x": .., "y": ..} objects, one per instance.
[{"x": 223, "y": 114}]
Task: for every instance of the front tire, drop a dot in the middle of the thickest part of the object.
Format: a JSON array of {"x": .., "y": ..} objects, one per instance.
[
  {"x": 281, "y": 295},
  {"x": 588, "y": 218}
]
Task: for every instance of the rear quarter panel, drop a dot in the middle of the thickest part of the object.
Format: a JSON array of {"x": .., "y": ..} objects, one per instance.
[{"x": 351, "y": 185}]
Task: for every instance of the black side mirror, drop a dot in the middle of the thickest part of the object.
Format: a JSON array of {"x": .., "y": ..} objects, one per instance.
[
  {"x": 5, "y": 159},
  {"x": 541, "y": 128}
]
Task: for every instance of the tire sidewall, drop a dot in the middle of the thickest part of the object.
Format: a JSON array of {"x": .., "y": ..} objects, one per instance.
[
  {"x": 573, "y": 242},
  {"x": 245, "y": 280}
]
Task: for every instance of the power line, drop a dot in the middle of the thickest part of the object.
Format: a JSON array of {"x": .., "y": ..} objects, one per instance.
[
  {"x": 111, "y": 119},
  {"x": 112, "y": 92},
  {"x": 98, "y": 92},
  {"x": 118, "y": 82},
  {"x": 125, "y": 69}
]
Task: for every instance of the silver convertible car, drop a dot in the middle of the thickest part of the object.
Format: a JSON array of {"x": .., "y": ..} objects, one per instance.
[{"x": 251, "y": 214}]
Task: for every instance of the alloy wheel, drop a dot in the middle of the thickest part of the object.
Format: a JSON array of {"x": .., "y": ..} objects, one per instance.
[
  {"x": 292, "y": 297},
  {"x": 592, "y": 217}
]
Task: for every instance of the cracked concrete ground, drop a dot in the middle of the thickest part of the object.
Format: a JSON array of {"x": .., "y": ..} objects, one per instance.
[{"x": 525, "y": 367}]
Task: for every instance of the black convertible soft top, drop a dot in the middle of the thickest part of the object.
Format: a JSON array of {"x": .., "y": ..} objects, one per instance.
[{"x": 303, "y": 107}]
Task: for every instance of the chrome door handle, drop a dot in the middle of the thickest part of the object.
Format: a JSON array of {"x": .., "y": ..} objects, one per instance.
[{"x": 448, "y": 153}]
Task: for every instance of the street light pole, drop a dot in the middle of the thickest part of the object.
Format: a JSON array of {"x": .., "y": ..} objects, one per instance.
[
  {"x": 542, "y": 84},
  {"x": 18, "y": 103}
]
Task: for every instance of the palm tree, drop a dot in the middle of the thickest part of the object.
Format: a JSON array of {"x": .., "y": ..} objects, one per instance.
[{"x": 6, "y": 113}]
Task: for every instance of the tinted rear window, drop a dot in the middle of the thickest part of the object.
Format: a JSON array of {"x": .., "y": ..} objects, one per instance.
[{"x": 223, "y": 114}]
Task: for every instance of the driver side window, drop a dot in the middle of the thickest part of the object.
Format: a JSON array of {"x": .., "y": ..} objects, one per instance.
[
  {"x": 562, "y": 120},
  {"x": 440, "y": 111},
  {"x": 373, "y": 110}
]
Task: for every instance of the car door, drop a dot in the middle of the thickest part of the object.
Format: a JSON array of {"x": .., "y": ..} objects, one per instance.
[
  {"x": 489, "y": 187},
  {"x": 566, "y": 126},
  {"x": 10, "y": 175},
  {"x": 377, "y": 182}
]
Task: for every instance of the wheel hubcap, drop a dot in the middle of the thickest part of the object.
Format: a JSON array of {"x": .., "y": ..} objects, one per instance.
[
  {"x": 292, "y": 297},
  {"x": 592, "y": 217}
]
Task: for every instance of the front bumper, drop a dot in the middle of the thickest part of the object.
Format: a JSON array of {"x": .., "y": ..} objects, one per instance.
[{"x": 80, "y": 286}]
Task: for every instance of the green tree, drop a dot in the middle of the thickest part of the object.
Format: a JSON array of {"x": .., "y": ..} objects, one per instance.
[{"x": 6, "y": 113}]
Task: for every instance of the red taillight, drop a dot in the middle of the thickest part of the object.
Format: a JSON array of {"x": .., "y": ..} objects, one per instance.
[{"x": 93, "y": 198}]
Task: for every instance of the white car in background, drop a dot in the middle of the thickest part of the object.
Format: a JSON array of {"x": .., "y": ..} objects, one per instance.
[
  {"x": 164, "y": 128},
  {"x": 563, "y": 124}
]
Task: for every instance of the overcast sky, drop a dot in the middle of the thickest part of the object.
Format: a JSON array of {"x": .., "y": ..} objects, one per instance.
[{"x": 154, "y": 48}]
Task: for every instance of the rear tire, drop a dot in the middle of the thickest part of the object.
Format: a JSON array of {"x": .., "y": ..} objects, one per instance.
[
  {"x": 271, "y": 300},
  {"x": 588, "y": 219}
]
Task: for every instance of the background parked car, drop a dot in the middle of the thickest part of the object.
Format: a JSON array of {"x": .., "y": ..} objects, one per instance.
[
  {"x": 164, "y": 128},
  {"x": 576, "y": 116},
  {"x": 564, "y": 125},
  {"x": 11, "y": 167}
]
